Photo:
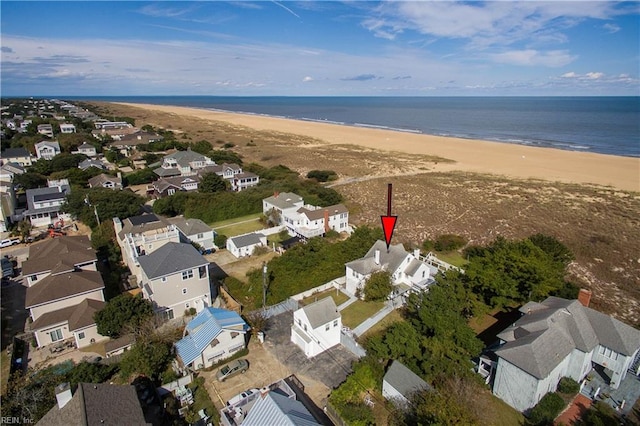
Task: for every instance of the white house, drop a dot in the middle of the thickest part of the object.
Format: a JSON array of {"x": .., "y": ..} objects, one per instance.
[
  {"x": 213, "y": 335},
  {"x": 316, "y": 327},
  {"x": 47, "y": 149},
  {"x": 311, "y": 221},
  {"x": 183, "y": 163},
  {"x": 409, "y": 272},
  {"x": 175, "y": 278},
  {"x": 244, "y": 245},
  {"x": 46, "y": 130},
  {"x": 242, "y": 181},
  {"x": 279, "y": 204},
  {"x": 86, "y": 149},
  {"x": 195, "y": 231},
  {"x": 88, "y": 163},
  {"x": 399, "y": 383},
  {"x": 67, "y": 128},
  {"x": 561, "y": 338}
]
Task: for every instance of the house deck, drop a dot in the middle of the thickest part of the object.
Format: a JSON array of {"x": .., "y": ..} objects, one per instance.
[{"x": 628, "y": 391}]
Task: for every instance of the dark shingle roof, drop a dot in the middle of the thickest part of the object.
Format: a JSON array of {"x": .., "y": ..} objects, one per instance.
[
  {"x": 15, "y": 153},
  {"x": 389, "y": 261},
  {"x": 56, "y": 287},
  {"x": 247, "y": 239},
  {"x": 404, "y": 380},
  {"x": 319, "y": 212},
  {"x": 95, "y": 404},
  {"x": 171, "y": 258},
  {"x": 550, "y": 330},
  {"x": 46, "y": 255},
  {"x": 190, "y": 226}
]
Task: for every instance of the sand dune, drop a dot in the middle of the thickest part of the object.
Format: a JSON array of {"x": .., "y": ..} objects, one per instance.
[{"x": 510, "y": 160}]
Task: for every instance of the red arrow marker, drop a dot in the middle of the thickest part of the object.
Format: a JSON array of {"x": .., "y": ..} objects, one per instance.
[{"x": 388, "y": 221}]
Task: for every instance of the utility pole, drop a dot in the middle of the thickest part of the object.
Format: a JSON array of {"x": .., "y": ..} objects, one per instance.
[
  {"x": 264, "y": 285},
  {"x": 95, "y": 207}
]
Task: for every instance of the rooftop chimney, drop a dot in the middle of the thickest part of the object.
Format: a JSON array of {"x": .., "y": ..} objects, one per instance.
[
  {"x": 584, "y": 297},
  {"x": 326, "y": 221},
  {"x": 63, "y": 394},
  {"x": 376, "y": 259},
  {"x": 416, "y": 253}
]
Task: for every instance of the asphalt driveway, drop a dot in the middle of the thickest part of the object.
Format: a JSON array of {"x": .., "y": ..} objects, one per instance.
[{"x": 330, "y": 367}]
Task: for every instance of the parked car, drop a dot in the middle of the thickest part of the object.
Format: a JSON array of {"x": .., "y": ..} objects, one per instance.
[
  {"x": 242, "y": 395},
  {"x": 9, "y": 242},
  {"x": 231, "y": 369}
]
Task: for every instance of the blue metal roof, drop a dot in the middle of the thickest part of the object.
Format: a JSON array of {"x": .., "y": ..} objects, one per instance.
[{"x": 205, "y": 327}]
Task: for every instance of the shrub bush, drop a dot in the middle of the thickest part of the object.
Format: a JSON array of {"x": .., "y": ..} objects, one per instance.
[
  {"x": 568, "y": 385},
  {"x": 546, "y": 410},
  {"x": 322, "y": 175},
  {"x": 449, "y": 242}
]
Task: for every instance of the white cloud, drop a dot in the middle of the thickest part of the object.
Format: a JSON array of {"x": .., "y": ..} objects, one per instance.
[
  {"x": 569, "y": 75},
  {"x": 594, "y": 75},
  {"x": 307, "y": 79},
  {"x": 531, "y": 57},
  {"x": 611, "y": 28}
]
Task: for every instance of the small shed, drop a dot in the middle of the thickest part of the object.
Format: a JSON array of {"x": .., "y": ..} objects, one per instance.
[{"x": 399, "y": 383}]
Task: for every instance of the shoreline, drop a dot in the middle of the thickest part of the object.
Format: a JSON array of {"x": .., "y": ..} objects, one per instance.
[{"x": 470, "y": 155}]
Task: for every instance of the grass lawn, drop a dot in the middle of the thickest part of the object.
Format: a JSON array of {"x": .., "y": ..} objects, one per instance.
[
  {"x": 96, "y": 347},
  {"x": 452, "y": 257},
  {"x": 224, "y": 223},
  {"x": 240, "y": 228},
  {"x": 498, "y": 413},
  {"x": 393, "y": 317},
  {"x": 355, "y": 314},
  {"x": 338, "y": 297}
]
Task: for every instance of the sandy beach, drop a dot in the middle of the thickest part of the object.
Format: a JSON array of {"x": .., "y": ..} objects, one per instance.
[{"x": 510, "y": 160}]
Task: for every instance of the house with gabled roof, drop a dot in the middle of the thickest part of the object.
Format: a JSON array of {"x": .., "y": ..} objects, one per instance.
[
  {"x": 44, "y": 205},
  {"x": 86, "y": 149},
  {"x": 46, "y": 130},
  {"x": 244, "y": 245},
  {"x": 47, "y": 149},
  {"x": 183, "y": 163},
  {"x": 559, "y": 338},
  {"x": 399, "y": 384},
  {"x": 277, "y": 409},
  {"x": 195, "y": 231},
  {"x": 279, "y": 204},
  {"x": 311, "y": 221},
  {"x": 316, "y": 327},
  {"x": 105, "y": 181},
  {"x": 16, "y": 155},
  {"x": 166, "y": 186},
  {"x": 93, "y": 404},
  {"x": 175, "y": 278},
  {"x": 211, "y": 336},
  {"x": 89, "y": 162},
  {"x": 67, "y": 128},
  {"x": 409, "y": 272},
  {"x": 65, "y": 290},
  {"x": 244, "y": 180}
]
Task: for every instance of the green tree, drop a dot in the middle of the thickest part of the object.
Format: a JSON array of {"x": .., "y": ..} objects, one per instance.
[
  {"x": 24, "y": 228},
  {"x": 220, "y": 240},
  {"x": 147, "y": 356},
  {"x": 378, "y": 286},
  {"x": 546, "y": 410},
  {"x": 449, "y": 242},
  {"x": 107, "y": 203},
  {"x": 201, "y": 147},
  {"x": 140, "y": 177},
  {"x": 212, "y": 182},
  {"x": 91, "y": 372},
  {"x": 30, "y": 180},
  {"x": 121, "y": 311},
  {"x": 322, "y": 175},
  {"x": 30, "y": 396}
]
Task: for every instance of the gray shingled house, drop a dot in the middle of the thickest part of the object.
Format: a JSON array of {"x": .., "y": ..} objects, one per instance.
[
  {"x": 559, "y": 338},
  {"x": 244, "y": 245}
]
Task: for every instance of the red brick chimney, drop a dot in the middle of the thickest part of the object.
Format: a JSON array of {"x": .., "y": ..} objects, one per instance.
[
  {"x": 275, "y": 194},
  {"x": 326, "y": 221},
  {"x": 584, "y": 297}
]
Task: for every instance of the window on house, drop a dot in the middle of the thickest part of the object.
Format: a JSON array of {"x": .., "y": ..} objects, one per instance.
[
  {"x": 186, "y": 275},
  {"x": 215, "y": 342},
  {"x": 199, "y": 236},
  {"x": 335, "y": 323},
  {"x": 184, "y": 291},
  {"x": 163, "y": 279},
  {"x": 202, "y": 272},
  {"x": 187, "y": 306},
  {"x": 607, "y": 353},
  {"x": 56, "y": 335},
  {"x": 81, "y": 335},
  {"x": 34, "y": 278},
  {"x": 234, "y": 334},
  {"x": 601, "y": 350},
  {"x": 168, "y": 314},
  {"x": 327, "y": 327}
]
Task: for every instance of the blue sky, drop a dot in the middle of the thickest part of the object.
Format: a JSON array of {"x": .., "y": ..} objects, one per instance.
[{"x": 317, "y": 48}]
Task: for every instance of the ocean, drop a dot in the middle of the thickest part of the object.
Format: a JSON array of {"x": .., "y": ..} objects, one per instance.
[{"x": 607, "y": 125}]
